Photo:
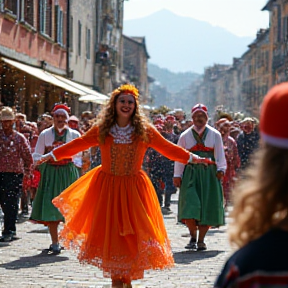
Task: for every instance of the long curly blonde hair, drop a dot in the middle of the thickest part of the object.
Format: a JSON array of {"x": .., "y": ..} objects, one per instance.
[
  {"x": 107, "y": 117},
  {"x": 261, "y": 198}
]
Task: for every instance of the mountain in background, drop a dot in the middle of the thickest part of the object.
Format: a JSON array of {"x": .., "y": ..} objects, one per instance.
[
  {"x": 169, "y": 85},
  {"x": 183, "y": 44},
  {"x": 173, "y": 82}
]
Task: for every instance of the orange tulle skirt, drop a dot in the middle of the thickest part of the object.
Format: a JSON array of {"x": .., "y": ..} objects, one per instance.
[{"x": 115, "y": 223}]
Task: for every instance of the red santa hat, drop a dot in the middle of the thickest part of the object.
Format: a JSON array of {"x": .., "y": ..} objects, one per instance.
[
  {"x": 61, "y": 108},
  {"x": 273, "y": 119},
  {"x": 199, "y": 107}
]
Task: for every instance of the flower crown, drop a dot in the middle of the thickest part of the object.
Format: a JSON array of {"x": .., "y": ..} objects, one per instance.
[{"x": 126, "y": 89}]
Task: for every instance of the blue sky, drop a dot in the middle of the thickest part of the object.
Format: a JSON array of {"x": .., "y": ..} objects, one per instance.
[{"x": 241, "y": 17}]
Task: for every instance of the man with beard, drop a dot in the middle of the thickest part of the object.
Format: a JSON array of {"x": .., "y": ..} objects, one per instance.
[{"x": 201, "y": 198}]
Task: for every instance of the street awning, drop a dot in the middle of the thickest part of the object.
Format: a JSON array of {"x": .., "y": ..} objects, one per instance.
[
  {"x": 43, "y": 75},
  {"x": 98, "y": 96},
  {"x": 92, "y": 99},
  {"x": 58, "y": 81}
]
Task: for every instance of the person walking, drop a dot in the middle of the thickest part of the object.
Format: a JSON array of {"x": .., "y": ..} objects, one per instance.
[
  {"x": 55, "y": 176},
  {"x": 15, "y": 164},
  {"x": 201, "y": 198},
  {"x": 259, "y": 225},
  {"x": 113, "y": 218}
]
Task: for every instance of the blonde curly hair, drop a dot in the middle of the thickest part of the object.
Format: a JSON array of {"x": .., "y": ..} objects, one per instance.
[
  {"x": 107, "y": 117},
  {"x": 261, "y": 198}
]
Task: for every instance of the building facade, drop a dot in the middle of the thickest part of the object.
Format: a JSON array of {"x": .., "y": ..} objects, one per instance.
[{"x": 135, "y": 57}]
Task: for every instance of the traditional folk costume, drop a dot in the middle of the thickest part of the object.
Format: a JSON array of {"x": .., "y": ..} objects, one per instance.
[
  {"x": 113, "y": 218},
  {"x": 55, "y": 176},
  {"x": 201, "y": 196}
]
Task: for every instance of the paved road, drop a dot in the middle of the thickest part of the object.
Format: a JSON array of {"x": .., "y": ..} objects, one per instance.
[{"x": 22, "y": 263}]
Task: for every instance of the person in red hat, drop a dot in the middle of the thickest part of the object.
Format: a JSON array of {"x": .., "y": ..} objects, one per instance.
[
  {"x": 200, "y": 203},
  {"x": 55, "y": 175},
  {"x": 113, "y": 218},
  {"x": 259, "y": 225}
]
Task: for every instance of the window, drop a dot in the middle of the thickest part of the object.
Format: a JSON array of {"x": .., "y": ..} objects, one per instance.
[
  {"x": 79, "y": 37},
  {"x": 11, "y": 6},
  {"x": 27, "y": 12},
  {"x": 45, "y": 17},
  {"x": 59, "y": 24},
  {"x": 88, "y": 42}
]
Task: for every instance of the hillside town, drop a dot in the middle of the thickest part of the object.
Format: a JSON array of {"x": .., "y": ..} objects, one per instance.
[
  {"x": 242, "y": 85},
  {"x": 99, "y": 188}
]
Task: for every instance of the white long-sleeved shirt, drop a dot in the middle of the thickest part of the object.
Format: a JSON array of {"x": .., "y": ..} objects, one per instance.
[
  {"x": 47, "y": 137},
  {"x": 213, "y": 140}
]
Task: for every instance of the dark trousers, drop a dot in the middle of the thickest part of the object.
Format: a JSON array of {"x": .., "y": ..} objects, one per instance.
[
  {"x": 10, "y": 190},
  {"x": 169, "y": 189},
  {"x": 159, "y": 191}
]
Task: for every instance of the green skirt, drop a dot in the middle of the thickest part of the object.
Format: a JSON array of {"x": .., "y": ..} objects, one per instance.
[
  {"x": 54, "y": 179},
  {"x": 201, "y": 196}
]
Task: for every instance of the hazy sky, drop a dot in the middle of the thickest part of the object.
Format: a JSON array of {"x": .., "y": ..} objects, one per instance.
[{"x": 241, "y": 17}]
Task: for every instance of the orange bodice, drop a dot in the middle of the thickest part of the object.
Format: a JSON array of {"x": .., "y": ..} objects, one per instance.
[{"x": 122, "y": 159}]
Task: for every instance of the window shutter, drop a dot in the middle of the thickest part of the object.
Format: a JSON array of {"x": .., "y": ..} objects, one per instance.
[
  {"x": 48, "y": 18},
  {"x": 57, "y": 15},
  {"x": 79, "y": 37},
  {"x": 71, "y": 34},
  {"x": 41, "y": 15},
  {"x": 88, "y": 41},
  {"x": 61, "y": 27},
  {"x": 64, "y": 28}
]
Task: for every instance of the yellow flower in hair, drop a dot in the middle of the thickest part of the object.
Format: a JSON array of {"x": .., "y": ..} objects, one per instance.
[{"x": 126, "y": 89}]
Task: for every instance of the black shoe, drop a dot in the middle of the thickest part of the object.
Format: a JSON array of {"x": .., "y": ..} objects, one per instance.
[
  {"x": 55, "y": 249},
  {"x": 192, "y": 245},
  {"x": 6, "y": 238},
  {"x": 166, "y": 211}
]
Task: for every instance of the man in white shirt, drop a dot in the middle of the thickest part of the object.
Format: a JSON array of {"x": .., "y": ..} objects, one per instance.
[{"x": 201, "y": 198}]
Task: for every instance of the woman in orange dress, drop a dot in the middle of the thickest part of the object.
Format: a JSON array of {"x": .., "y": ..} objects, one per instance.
[{"x": 112, "y": 215}]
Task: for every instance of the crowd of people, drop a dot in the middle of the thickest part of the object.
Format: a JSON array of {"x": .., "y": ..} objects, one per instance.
[{"x": 105, "y": 169}]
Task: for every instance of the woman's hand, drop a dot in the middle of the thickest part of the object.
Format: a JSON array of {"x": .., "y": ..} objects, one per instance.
[
  {"x": 44, "y": 158},
  {"x": 199, "y": 160}
]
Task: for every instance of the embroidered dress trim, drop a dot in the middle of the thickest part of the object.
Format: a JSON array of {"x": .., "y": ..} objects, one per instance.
[{"x": 122, "y": 135}]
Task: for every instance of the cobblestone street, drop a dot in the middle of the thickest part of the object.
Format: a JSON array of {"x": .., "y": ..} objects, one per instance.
[{"x": 23, "y": 264}]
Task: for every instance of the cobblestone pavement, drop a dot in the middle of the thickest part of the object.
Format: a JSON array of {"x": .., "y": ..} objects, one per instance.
[{"x": 23, "y": 264}]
